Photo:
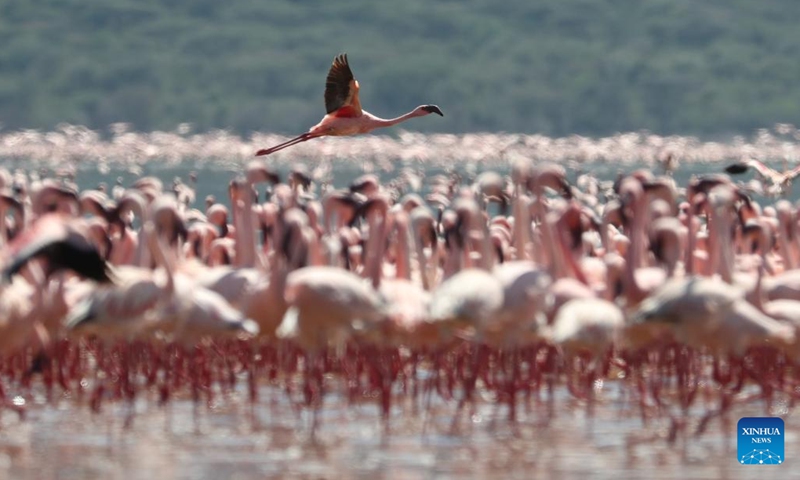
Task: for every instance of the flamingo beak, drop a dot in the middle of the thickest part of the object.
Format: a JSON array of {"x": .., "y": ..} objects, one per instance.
[{"x": 433, "y": 109}]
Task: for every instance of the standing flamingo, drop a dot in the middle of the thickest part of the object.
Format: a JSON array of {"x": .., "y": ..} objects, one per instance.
[
  {"x": 344, "y": 113},
  {"x": 587, "y": 330}
]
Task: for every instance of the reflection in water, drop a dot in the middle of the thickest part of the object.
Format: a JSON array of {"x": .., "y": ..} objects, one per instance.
[{"x": 231, "y": 439}]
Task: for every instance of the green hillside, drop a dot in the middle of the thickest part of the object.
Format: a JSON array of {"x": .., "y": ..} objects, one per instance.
[{"x": 711, "y": 67}]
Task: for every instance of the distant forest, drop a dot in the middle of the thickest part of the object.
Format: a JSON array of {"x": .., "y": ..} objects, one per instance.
[{"x": 556, "y": 67}]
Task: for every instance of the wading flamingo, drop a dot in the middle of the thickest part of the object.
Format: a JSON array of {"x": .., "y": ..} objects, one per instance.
[{"x": 344, "y": 113}]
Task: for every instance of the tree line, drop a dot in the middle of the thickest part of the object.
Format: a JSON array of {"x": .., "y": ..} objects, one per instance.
[{"x": 556, "y": 67}]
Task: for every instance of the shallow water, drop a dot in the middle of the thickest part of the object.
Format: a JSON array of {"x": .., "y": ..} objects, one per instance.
[{"x": 273, "y": 440}]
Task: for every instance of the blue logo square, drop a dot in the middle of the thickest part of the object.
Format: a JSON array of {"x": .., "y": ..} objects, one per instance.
[{"x": 760, "y": 441}]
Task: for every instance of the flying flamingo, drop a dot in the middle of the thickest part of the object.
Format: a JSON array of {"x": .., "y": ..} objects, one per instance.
[
  {"x": 779, "y": 182},
  {"x": 344, "y": 113}
]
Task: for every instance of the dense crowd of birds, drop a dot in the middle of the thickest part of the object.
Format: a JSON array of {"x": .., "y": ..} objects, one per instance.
[
  {"x": 120, "y": 147},
  {"x": 507, "y": 284}
]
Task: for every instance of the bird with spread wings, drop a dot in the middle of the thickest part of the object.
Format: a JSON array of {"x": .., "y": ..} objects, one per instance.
[{"x": 344, "y": 115}]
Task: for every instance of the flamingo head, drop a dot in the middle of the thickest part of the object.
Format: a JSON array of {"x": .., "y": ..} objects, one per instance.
[
  {"x": 259, "y": 172},
  {"x": 428, "y": 109}
]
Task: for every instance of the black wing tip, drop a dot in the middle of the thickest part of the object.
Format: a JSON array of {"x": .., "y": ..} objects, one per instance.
[
  {"x": 737, "y": 168},
  {"x": 97, "y": 270},
  {"x": 103, "y": 274},
  {"x": 76, "y": 255}
]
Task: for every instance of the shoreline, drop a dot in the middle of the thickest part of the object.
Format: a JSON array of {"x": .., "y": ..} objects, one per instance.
[{"x": 71, "y": 145}]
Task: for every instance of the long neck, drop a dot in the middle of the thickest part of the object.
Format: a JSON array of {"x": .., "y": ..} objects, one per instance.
[
  {"x": 388, "y": 122},
  {"x": 723, "y": 254},
  {"x": 419, "y": 250},
  {"x": 403, "y": 253},
  {"x": 571, "y": 267},
  {"x": 522, "y": 227},
  {"x": 158, "y": 252},
  {"x": 604, "y": 226},
  {"x": 786, "y": 239},
  {"x": 554, "y": 260},
  {"x": 756, "y": 296},
  {"x": 141, "y": 254},
  {"x": 376, "y": 243},
  {"x": 637, "y": 233},
  {"x": 635, "y": 252},
  {"x": 245, "y": 231},
  {"x": 691, "y": 241},
  {"x": 487, "y": 251}
]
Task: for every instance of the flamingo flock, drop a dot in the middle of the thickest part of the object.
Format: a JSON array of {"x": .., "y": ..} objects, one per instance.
[{"x": 514, "y": 284}]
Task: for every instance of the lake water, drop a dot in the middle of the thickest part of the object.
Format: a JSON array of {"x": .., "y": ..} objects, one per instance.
[{"x": 64, "y": 440}]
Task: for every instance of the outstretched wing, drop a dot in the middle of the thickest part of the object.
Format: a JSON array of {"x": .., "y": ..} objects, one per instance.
[
  {"x": 763, "y": 170},
  {"x": 341, "y": 88},
  {"x": 63, "y": 251},
  {"x": 792, "y": 174}
]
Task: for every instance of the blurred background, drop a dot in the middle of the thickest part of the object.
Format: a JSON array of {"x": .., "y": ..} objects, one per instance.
[{"x": 714, "y": 68}]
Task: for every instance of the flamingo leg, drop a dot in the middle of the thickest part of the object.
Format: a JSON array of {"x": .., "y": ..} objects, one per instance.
[{"x": 288, "y": 143}]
